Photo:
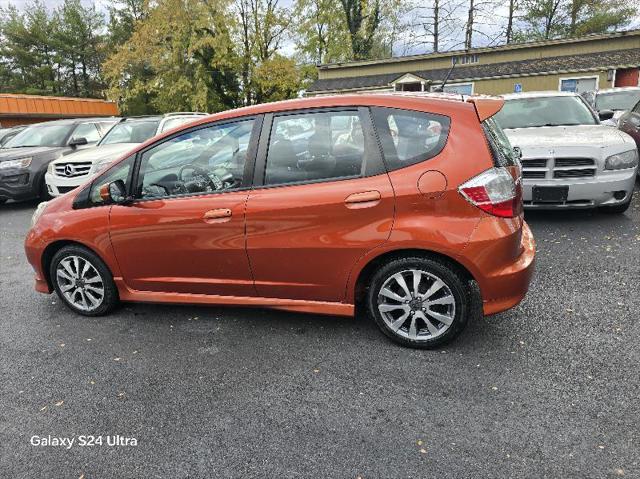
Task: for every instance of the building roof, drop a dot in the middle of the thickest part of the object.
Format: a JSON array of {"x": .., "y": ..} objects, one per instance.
[
  {"x": 518, "y": 68},
  {"x": 499, "y": 48},
  {"x": 18, "y": 105}
]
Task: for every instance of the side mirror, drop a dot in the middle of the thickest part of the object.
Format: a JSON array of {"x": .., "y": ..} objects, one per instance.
[
  {"x": 78, "y": 142},
  {"x": 114, "y": 192},
  {"x": 605, "y": 114}
]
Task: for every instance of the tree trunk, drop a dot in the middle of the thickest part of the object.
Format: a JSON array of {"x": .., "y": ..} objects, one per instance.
[
  {"x": 436, "y": 25},
  {"x": 512, "y": 8},
  {"x": 468, "y": 37}
]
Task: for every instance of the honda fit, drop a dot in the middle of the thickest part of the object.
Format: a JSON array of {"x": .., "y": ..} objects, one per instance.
[{"x": 406, "y": 208}]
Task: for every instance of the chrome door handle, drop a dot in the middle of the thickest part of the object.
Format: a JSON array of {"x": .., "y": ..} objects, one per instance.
[
  {"x": 365, "y": 199},
  {"x": 217, "y": 216}
]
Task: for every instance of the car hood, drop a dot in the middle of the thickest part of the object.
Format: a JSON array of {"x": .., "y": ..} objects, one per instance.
[
  {"x": 563, "y": 136},
  {"x": 17, "y": 153},
  {"x": 98, "y": 153}
]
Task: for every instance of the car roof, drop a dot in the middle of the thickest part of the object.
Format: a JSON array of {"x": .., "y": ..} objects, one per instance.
[
  {"x": 617, "y": 89},
  {"x": 538, "y": 94},
  {"x": 73, "y": 121}
]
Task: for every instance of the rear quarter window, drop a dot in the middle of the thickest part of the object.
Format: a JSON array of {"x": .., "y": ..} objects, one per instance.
[
  {"x": 501, "y": 149},
  {"x": 409, "y": 137}
]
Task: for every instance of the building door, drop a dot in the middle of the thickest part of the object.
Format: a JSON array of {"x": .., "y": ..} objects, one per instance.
[{"x": 579, "y": 85}]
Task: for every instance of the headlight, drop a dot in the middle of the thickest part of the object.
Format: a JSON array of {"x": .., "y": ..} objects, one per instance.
[
  {"x": 50, "y": 168},
  {"x": 620, "y": 161},
  {"x": 38, "y": 212},
  {"x": 21, "y": 163}
]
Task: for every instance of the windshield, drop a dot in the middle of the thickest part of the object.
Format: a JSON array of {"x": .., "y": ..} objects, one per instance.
[
  {"x": 173, "y": 122},
  {"x": 41, "y": 135},
  {"x": 137, "y": 131},
  {"x": 618, "y": 100},
  {"x": 545, "y": 111}
]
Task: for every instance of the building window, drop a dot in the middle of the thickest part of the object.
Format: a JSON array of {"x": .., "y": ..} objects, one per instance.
[
  {"x": 464, "y": 59},
  {"x": 578, "y": 84},
  {"x": 413, "y": 86}
]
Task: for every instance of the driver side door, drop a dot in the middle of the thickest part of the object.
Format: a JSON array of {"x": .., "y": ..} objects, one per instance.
[{"x": 185, "y": 230}]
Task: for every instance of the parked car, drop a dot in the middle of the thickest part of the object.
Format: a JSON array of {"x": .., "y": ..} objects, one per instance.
[
  {"x": 292, "y": 206},
  {"x": 24, "y": 160},
  {"x": 7, "y": 133},
  {"x": 629, "y": 123},
  {"x": 616, "y": 100},
  {"x": 71, "y": 171},
  {"x": 569, "y": 160}
]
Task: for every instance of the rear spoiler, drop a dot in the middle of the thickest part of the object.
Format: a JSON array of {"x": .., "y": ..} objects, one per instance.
[{"x": 486, "y": 106}]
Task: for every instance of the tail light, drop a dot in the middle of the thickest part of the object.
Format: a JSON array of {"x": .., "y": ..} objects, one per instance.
[{"x": 495, "y": 191}]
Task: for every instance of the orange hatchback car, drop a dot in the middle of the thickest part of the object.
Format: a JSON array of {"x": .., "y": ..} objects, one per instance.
[{"x": 407, "y": 207}]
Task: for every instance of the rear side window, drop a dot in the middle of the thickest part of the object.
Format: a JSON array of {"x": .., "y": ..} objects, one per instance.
[
  {"x": 88, "y": 131},
  {"x": 501, "y": 149},
  {"x": 409, "y": 137}
]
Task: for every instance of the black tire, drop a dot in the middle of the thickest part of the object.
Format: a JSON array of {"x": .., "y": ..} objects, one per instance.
[
  {"x": 110, "y": 297},
  {"x": 43, "y": 194},
  {"x": 458, "y": 286},
  {"x": 617, "y": 209},
  {"x": 3, "y": 200}
]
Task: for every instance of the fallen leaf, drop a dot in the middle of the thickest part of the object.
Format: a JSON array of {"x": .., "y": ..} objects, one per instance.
[
  {"x": 117, "y": 359},
  {"x": 419, "y": 443},
  {"x": 423, "y": 451},
  {"x": 44, "y": 408},
  {"x": 59, "y": 403}
]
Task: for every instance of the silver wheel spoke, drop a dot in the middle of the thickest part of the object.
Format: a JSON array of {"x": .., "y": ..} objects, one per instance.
[
  {"x": 435, "y": 287},
  {"x": 391, "y": 295},
  {"x": 385, "y": 308},
  {"x": 65, "y": 264},
  {"x": 444, "y": 300},
  {"x": 440, "y": 317},
  {"x": 85, "y": 269},
  {"x": 66, "y": 287},
  {"x": 397, "y": 324},
  {"x": 430, "y": 326},
  {"x": 65, "y": 275},
  {"x": 403, "y": 284},
  {"x": 76, "y": 265},
  {"x": 95, "y": 279},
  {"x": 417, "y": 277},
  {"x": 98, "y": 291},
  {"x": 413, "y": 333}
]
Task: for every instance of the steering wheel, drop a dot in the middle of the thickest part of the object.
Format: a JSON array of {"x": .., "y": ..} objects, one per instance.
[{"x": 200, "y": 172}]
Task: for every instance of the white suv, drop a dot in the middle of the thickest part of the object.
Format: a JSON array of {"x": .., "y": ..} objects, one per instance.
[
  {"x": 71, "y": 171},
  {"x": 569, "y": 160}
]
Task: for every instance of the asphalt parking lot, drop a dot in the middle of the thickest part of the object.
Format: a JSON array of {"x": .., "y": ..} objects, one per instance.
[{"x": 549, "y": 389}]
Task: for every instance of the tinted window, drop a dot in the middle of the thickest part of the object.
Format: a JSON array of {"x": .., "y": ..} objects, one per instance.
[
  {"x": 41, "y": 135},
  {"x": 315, "y": 146},
  {"x": 501, "y": 148},
  {"x": 409, "y": 137},
  {"x": 136, "y": 131},
  {"x": 206, "y": 160},
  {"x": 88, "y": 131},
  {"x": 118, "y": 172},
  {"x": 545, "y": 111}
]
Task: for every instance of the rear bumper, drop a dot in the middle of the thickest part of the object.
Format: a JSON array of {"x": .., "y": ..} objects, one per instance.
[
  {"x": 585, "y": 192},
  {"x": 513, "y": 280}
]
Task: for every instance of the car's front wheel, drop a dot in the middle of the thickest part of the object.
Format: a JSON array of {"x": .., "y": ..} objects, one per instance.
[
  {"x": 83, "y": 281},
  {"x": 419, "y": 302}
]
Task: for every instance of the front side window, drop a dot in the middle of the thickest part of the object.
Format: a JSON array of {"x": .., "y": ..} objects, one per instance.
[
  {"x": 117, "y": 172},
  {"x": 41, "y": 135},
  {"x": 135, "y": 131},
  {"x": 315, "y": 146},
  {"x": 206, "y": 160},
  {"x": 88, "y": 131},
  {"x": 409, "y": 137},
  {"x": 545, "y": 111},
  {"x": 619, "y": 100}
]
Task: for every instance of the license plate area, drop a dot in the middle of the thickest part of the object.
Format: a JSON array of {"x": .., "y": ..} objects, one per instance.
[{"x": 550, "y": 194}]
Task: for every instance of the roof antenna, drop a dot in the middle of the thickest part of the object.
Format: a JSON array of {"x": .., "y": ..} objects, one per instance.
[{"x": 440, "y": 89}]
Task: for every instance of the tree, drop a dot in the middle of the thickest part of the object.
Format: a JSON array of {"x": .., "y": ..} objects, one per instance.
[
  {"x": 123, "y": 16},
  {"x": 276, "y": 79},
  {"x": 510, "y": 18},
  {"x": 363, "y": 19},
  {"x": 598, "y": 16},
  {"x": 543, "y": 19}
]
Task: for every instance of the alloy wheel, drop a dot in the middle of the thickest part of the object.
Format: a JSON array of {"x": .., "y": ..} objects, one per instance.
[
  {"x": 416, "y": 305},
  {"x": 80, "y": 283}
]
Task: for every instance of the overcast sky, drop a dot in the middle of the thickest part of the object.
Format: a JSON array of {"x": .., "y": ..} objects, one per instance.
[{"x": 489, "y": 27}]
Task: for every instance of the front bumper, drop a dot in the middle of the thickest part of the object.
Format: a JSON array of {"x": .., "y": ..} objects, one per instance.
[
  {"x": 599, "y": 190},
  {"x": 20, "y": 183},
  {"x": 58, "y": 185}
]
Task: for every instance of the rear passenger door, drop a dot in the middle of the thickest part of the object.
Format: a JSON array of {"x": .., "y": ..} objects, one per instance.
[{"x": 321, "y": 200}]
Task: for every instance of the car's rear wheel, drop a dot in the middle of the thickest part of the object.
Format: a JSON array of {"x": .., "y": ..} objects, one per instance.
[
  {"x": 83, "y": 281},
  {"x": 419, "y": 302}
]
